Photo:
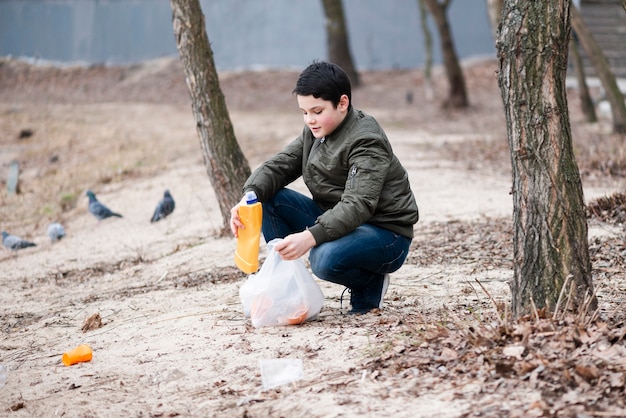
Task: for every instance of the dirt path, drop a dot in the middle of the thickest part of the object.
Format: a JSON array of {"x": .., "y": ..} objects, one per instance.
[{"x": 173, "y": 339}]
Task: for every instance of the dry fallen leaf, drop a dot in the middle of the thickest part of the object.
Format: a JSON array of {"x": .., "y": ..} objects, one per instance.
[
  {"x": 588, "y": 371},
  {"x": 448, "y": 354},
  {"x": 516, "y": 351},
  {"x": 93, "y": 322},
  {"x": 616, "y": 380}
]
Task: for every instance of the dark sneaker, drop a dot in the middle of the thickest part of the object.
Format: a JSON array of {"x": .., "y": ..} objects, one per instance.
[
  {"x": 359, "y": 311},
  {"x": 364, "y": 300}
]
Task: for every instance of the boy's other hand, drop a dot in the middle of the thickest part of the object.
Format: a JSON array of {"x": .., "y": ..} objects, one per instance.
[{"x": 295, "y": 246}]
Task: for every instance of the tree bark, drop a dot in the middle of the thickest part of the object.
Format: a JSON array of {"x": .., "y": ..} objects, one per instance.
[
  {"x": 586, "y": 103},
  {"x": 457, "y": 97},
  {"x": 603, "y": 71},
  {"x": 226, "y": 165},
  {"x": 550, "y": 236},
  {"x": 337, "y": 40}
]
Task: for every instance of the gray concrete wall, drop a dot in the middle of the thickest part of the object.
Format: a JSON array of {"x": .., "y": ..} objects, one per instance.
[{"x": 244, "y": 34}]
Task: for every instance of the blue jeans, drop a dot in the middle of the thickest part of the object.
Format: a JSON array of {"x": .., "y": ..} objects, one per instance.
[{"x": 358, "y": 260}]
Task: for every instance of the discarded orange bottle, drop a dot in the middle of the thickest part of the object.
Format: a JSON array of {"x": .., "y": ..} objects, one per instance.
[
  {"x": 248, "y": 238},
  {"x": 297, "y": 317},
  {"x": 79, "y": 354}
]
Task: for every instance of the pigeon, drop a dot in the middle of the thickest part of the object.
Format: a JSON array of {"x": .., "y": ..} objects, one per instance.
[
  {"x": 14, "y": 243},
  {"x": 56, "y": 231},
  {"x": 97, "y": 209},
  {"x": 164, "y": 207}
]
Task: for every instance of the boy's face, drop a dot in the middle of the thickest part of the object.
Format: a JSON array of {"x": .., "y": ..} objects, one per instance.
[{"x": 320, "y": 115}]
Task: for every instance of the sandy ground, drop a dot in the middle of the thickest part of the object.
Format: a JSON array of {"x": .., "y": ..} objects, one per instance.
[{"x": 173, "y": 339}]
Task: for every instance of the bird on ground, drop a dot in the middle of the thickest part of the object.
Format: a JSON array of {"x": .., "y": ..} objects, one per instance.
[
  {"x": 56, "y": 231},
  {"x": 97, "y": 209},
  {"x": 14, "y": 243},
  {"x": 164, "y": 207}
]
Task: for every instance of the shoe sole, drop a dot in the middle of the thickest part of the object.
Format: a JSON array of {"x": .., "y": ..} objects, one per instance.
[{"x": 384, "y": 291}]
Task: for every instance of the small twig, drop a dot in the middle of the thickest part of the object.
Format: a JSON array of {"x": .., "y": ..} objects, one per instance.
[
  {"x": 589, "y": 297},
  {"x": 583, "y": 308},
  {"x": 570, "y": 297},
  {"x": 420, "y": 279},
  {"x": 495, "y": 305},
  {"x": 593, "y": 316},
  {"x": 76, "y": 314},
  {"x": 558, "y": 302},
  {"x": 162, "y": 277},
  {"x": 507, "y": 316},
  {"x": 609, "y": 413},
  {"x": 535, "y": 313},
  {"x": 185, "y": 316}
]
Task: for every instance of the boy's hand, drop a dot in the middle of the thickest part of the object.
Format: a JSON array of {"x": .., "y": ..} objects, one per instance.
[
  {"x": 295, "y": 246},
  {"x": 235, "y": 220}
]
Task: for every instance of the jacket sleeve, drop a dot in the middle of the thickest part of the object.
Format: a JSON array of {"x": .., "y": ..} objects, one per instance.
[
  {"x": 368, "y": 163},
  {"x": 277, "y": 172}
]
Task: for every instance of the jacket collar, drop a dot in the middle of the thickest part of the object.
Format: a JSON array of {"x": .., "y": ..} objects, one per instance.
[{"x": 350, "y": 116}]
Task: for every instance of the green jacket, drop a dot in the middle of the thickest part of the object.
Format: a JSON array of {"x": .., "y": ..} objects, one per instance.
[{"x": 352, "y": 174}]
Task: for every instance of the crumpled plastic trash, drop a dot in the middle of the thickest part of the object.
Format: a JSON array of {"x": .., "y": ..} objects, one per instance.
[
  {"x": 3, "y": 375},
  {"x": 279, "y": 371}
]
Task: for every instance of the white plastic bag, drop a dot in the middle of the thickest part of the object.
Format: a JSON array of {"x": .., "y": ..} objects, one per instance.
[{"x": 282, "y": 292}]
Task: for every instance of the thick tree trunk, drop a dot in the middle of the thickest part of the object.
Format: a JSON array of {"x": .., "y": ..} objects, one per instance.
[
  {"x": 603, "y": 71},
  {"x": 586, "y": 103},
  {"x": 550, "y": 237},
  {"x": 457, "y": 97},
  {"x": 226, "y": 165},
  {"x": 337, "y": 40}
]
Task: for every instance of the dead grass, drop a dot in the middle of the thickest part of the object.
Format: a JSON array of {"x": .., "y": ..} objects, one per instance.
[{"x": 610, "y": 209}]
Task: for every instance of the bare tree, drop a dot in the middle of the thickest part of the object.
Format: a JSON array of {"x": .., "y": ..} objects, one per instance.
[
  {"x": 494, "y": 12},
  {"x": 225, "y": 163},
  {"x": 586, "y": 103},
  {"x": 603, "y": 71},
  {"x": 337, "y": 39},
  {"x": 457, "y": 97},
  {"x": 428, "y": 48},
  {"x": 551, "y": 251}
]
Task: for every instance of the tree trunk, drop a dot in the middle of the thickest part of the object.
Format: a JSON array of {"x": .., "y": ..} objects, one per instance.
[
  {"x": 603, "y": 71},
  {"x": 337, "y": 40},
  {"x": 457, "y": 97},
  {"x": 226, "y": 165},
  {"x": 494, "y": 11},
  {"x": 586, "y": 103},
  {"x": 550, "y": 236},
  {"x": 428, "y": 48}
]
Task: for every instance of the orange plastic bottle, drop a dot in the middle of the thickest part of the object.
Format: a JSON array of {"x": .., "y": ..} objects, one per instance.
[
  {"x": 77, "y": 355},
  {"x": 248, "y": 240}
]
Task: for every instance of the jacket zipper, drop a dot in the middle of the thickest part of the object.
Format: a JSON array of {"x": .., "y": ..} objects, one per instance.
[{"x": 352, "y": 175}]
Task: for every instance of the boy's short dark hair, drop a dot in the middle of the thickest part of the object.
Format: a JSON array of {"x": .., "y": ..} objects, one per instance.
[{"x": 324, "y": 80}]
